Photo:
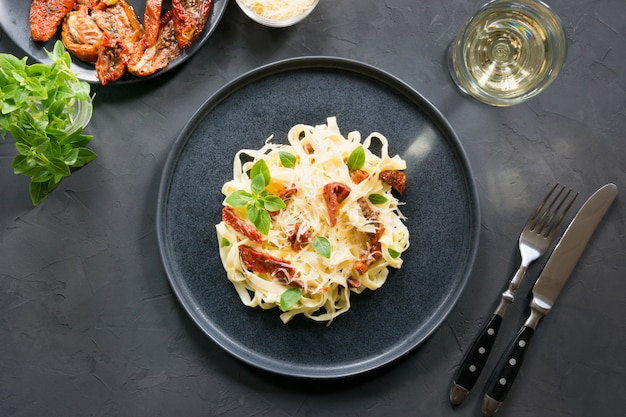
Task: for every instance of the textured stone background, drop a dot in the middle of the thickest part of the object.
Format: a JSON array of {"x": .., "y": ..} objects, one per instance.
[{"x": 89, "y": 325}]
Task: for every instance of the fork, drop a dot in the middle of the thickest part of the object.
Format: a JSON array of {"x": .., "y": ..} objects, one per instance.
[{"x": 534, "y": 241}]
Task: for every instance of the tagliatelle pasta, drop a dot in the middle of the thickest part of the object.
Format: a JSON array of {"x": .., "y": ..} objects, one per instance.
[{"x": 338, "y": 233}]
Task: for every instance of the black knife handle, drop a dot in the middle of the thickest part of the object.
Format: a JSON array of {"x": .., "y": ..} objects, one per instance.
[
  {"x": 475, "y": 359},
  {"x": 505, "y": 371}
]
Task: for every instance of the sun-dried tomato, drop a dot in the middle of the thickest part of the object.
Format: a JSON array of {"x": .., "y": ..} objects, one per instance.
[
  {"x": 397, "y": 180},
  {"x": 334, "y": 194}
]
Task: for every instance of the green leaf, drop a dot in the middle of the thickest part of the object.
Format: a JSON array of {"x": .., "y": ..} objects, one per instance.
[
  {"x": 273, "y": 203},
  {"x": 40, "y": 176},
  {"x": 393, "y": 253},
  {"x": 321, "y": 246},
  {"x": 263, "y": 222},
  {"x": 287, "y": 159},
  {"x": 224, "y": 243},
  {"x": 356, "y": 160},
  {"x": 377, "y": 199},
  {"x": 22, "y": 164},
  {"x": 11, "y": 64},
  {"x": 58, "y": 167},
  {"x": 57, "y": 52},
  {"x": 238, "y": 198},
  {"x": 260, "y": 167},
  {"x": 22, "y": 149},
  {"x": 71, "y": 157},
  {"x": 258, "y": 184},
  {"x": 38, "y": 191},
  {"x": 85, "y": 155},
  {"x": 289, "y": 298},
  {"x": 252, "y": 212}
]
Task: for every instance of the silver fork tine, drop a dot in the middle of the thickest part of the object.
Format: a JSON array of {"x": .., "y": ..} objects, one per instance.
[
  {"x": 536, "y": 236},
  {"x": 548, "y": 228}
]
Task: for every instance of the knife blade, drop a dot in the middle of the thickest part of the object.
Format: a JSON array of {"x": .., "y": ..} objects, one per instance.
[{"x": 545, "y": 292}]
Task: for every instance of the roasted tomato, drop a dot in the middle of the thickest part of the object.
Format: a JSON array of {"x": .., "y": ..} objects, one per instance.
[
  {"x": 121, "y": 33},
  {"x": 110, "y": 65},
  {"x": 46, "y": 17},
  {"x": 334, "y": 193},
  {"x": 241, "y": 226},
  {"x": 263, "y": 263},
  {"x": 85, "y": 5},
  {"x": 119, "y": 21},
  {"x": 81, "y": 36},
  {"x": 151, "y": 22},
  {"x": 397, "y": 180},
  {"x": 157, "y": 56},
  {"x": 189, "y": 17}
]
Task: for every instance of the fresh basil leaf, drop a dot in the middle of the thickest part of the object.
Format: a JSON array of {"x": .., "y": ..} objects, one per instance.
[
  {"x": 263, "y": 222},
  {"x": 356, "y": 160},
  {"x": 252, "y": 212},
  {"x": 377, "y": 199},
  {"x": 224, "y": 243},
  {"x": 238, "y": 198},
  {"x": 289, "y": 298},
  {"x": 321, "y": 246},
  {"x": 273, "y": 203},
  {"x": 287, "y": 159},
  {"x": 260, "y": 167},
  {"x": 85, "y": 155},
  {"x": 41, "y": 176},
  {"x": 21, "y": 164},
  {"x": 258, "y": 184},
  {"x": 22, "y": 149},
  {"x": 393, "y": 253},
  {"x": 58, "y": 167},
  {"x": 38, "y": 191},
  {"x": 71, "y": 157}
]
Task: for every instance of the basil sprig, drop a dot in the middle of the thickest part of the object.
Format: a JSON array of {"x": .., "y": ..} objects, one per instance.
[
  {"x": 37, "y": 107},
  {"x": 258, "y": 201}
]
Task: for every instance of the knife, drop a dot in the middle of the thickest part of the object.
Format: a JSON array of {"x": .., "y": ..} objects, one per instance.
[{"x": 545, "y": 292}]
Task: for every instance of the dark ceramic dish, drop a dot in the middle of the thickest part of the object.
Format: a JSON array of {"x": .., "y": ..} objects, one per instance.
[
  {"x": 441, "y": 206},
  {"x": 14, "y": 20}
]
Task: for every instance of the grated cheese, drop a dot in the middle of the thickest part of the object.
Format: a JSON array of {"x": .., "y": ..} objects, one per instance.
[{"x": 278, "y": 10}]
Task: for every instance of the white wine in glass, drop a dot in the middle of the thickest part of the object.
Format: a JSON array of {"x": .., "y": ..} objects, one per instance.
[{"x": 507, "y": 52}]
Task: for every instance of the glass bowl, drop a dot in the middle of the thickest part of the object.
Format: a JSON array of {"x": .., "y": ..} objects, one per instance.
[
  {"x": 277, "y": 22},
  {"x": 80, "y": 114}
]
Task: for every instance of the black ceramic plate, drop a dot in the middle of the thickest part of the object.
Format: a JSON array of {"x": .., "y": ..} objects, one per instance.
[
  {"x": 441, "y": 207},
  {"x": 14, "y": 20}
]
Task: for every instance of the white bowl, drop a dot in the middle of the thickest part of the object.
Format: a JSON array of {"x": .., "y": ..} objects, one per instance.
[{"x": 272, "y": 22}]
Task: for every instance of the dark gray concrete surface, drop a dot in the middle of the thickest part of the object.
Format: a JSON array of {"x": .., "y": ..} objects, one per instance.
[{"x": 89, "y": 325}]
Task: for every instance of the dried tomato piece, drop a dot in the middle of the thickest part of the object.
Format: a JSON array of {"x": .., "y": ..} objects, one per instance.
[
  {"x": 334, "y": 193},
  {"x": 285, "y": 193},
  {"x": 374, "y": 248},
  {"x": 358, "y": 176},
  {"x": 263, "y": 263},
  {"x": 397, "y": 180},
  {"x": 81, "y": 35},
  {"x": 189, "y": 17},
  {"x": 158, "y": 56},
  {"x": 110, "y": 65},
  {"x": 46, "y": 17},
  {"x": 241, "y": 226},
  {"x": 299, "y": 238},
  {"x": 353, "y": 282}
]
